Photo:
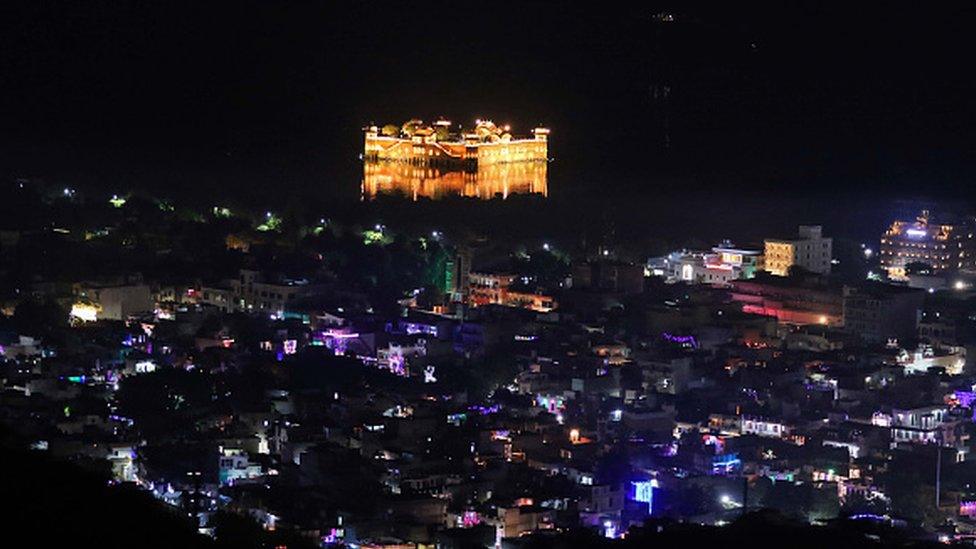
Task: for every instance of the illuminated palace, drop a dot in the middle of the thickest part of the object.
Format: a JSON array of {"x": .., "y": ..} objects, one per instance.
[
  {"x": 436, "y": 160},
  {"x": 943, "y": 247}
]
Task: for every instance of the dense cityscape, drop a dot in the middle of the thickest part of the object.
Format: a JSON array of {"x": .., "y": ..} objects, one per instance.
[{"x": 469, "y": 337}]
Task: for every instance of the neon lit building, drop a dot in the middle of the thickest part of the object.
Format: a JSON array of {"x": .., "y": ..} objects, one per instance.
[
  {"x": 724, "y": 263},
  {"x": 790, "y": 301},
  {"x": 944, "y": 247}
]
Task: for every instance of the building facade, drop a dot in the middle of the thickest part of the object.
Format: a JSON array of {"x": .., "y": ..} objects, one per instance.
[
  {"x": 495, "y": 289},
  {"x": 790, "y": 302},
  {"x": 877, "y": 312},
  {"x": 438, "y": 145},
  {"x": 421, "y": 160},
  {"x": 723, "y": 264},
  {"x": 810, "y": 250},
  {"x": 943, "y": 247}
]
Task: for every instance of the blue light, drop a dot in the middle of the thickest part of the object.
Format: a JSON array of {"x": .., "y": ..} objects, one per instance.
[
  {"x": 644, "y": 493},
  {"x": 725, "y": 463}
]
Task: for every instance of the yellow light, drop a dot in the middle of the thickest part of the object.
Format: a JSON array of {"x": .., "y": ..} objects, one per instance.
[
  {"x": 574, "y": 435},
  {"x": 84, "y": 312}
]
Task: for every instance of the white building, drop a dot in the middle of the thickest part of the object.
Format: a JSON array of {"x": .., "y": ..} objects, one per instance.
[
  {"x": 763, "y": 428},
  {"x": 722, "y": 264},
  {"x": 252, "y": 293}
]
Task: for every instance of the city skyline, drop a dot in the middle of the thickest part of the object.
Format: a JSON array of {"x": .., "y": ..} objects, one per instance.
[{"x": 327, "y": 275}]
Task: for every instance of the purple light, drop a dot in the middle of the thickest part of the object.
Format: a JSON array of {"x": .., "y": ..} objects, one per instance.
[
  {"x": 867, "y": 516},
  {"x": 340, "y": 335},
  {"x": 485, "y": 410},
  {"x": 335, "y": 535},
  {"x": 967, "y": 508},
  {"x": 683, "y": 340},
  {"x": 398, "y": 365},
  {"x": 290, "y": 346},
  {"x": 965, "y": 398},
  {"x": 470, "y": 518},
  {"x": 916, "y": 233},
  {"x": 337, "y": 341}
]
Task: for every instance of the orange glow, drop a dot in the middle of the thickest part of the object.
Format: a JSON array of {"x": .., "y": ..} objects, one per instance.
[
  {"x": 416, "y": 182},
  {"x": 423, "y": 161}
]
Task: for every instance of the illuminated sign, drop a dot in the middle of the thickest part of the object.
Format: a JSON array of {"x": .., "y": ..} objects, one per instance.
[
  {"x": 687, "y": 341},
  {"x": 916, "y": 233},
  {"x": 644, "y": 493}
]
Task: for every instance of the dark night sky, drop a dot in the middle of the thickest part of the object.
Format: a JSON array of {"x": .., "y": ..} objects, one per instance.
[{"x": 237, "y": 97}]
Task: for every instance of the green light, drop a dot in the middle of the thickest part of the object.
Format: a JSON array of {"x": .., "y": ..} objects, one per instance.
[
  {"x": 271, "y": 223},
  {"x": 371, "y": 236}
]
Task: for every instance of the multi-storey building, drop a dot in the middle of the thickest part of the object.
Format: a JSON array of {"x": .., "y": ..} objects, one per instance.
[
  {"x": 877, "y": 312},
  {"x": 723, "y": 264},
  {"x": 929, "y": 425},
  {"x": 790, "y": 301},
  {"x": 117, "y": 302},
  {"x": 944, "y": 247},
  {"x": 810, "y": 250},
  {"x": 495, "y": 289},
  {"x": 250, "y": 292}
]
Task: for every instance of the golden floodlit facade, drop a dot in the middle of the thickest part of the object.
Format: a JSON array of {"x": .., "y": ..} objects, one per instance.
[
  {"x": 434, "y": 161},
  {"x": 943, "y": 247}
]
